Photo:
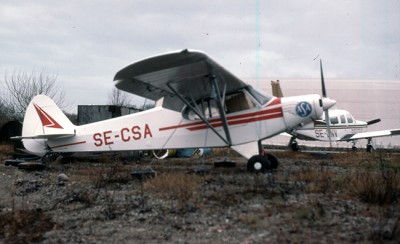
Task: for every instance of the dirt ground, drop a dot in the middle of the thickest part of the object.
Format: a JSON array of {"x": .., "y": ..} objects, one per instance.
[{"x": 311, "y": 198}]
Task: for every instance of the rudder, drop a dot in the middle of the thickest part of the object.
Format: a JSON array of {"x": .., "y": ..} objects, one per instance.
[{"x": 44, "y": 120}]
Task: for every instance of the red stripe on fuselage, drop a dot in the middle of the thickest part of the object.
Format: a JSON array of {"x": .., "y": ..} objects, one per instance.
[
  {"x": 70, "y": 144},
  {"x": 238, "y": 122},
  {"x": 264, "y": 114}
]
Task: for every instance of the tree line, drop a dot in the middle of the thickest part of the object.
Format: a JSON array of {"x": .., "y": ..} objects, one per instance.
[{"x": 18, "y": 89}]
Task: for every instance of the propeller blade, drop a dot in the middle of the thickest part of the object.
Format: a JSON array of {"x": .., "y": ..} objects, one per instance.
[
  {"x": 328, "y": 124},
  {"x": 374, "y": 121},
  {"x": 322, "y": 80}
]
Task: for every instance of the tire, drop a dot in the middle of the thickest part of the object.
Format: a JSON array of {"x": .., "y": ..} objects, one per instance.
[
  {"x": 258, "y": 164},
  {"x": 274, "y": 162},
  {"x": 369, "y": 148},
  {"x": 161, "y": 154},
  {"x": 294, "y": 146}
]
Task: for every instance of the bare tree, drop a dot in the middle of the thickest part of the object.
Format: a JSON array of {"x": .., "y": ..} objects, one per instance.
[
  {"x": 21, "y": 87},
  {"x": 118, "y": 98},
  {"x": 3, "y": 113}
]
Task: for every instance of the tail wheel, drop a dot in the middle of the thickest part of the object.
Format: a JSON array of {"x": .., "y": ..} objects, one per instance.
[
  {"x": 161, "y": 154},
  {"x": 258, "y": 164}
]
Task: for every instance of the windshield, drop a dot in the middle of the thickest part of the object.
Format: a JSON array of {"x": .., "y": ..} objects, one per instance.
[{"x": 261, "y": 98}]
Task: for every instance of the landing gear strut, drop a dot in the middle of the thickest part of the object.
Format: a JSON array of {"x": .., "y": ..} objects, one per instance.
[
  {"x": 263, "y": 162},
  {"x": 369, "y": 145},
  {"x": 353, "y": 147}
]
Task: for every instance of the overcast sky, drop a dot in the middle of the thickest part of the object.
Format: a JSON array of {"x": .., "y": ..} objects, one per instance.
[{"x": 86, "y": 42}]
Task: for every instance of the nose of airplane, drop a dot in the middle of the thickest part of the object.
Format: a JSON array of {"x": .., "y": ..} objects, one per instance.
[{"x": 327, "y": 103}]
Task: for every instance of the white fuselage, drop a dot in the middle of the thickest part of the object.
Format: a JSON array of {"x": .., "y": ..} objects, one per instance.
[
  {"x": 161, "y": 128},
  {"x": 342, "y": 123}
]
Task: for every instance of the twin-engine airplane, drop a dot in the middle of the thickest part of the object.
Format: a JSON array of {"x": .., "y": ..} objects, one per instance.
[
  {"x": 202, "y": 105},
  {"x": 341, "y": 126}
]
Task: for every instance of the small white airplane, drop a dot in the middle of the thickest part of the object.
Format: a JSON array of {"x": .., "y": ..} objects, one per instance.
[
  {"x": 341, "y": 126},
  {"x": 200, "y": 104}
]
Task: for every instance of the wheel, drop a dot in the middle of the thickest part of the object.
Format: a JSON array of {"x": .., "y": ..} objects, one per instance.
[
  {"x": 294, "y": 146},
  {"x": 369, "y": 148},
  {"x": 161, "y": 154},
  {"x": 258, "y": 164},
  {"x": 273, "y": 161}
]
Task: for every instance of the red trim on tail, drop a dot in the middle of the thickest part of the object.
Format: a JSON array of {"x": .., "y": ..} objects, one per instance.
[{"x": 46, "y": 119}]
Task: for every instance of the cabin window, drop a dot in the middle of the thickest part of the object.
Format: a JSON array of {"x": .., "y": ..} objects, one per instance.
[
  {"x": 208, "y": 108},
  {"x": 237, "y": 102},
  {"x": 334, "y": 120},
  {"x": 350, "y": 119},
  {"x": 342, "y": 119}
]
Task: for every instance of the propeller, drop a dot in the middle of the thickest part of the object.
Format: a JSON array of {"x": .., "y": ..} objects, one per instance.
[{"x": 325, "y": 105}]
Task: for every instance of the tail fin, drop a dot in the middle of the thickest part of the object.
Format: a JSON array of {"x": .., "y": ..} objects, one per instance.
[
  {"x": 43, "y": 121},
  {"x": 276, "y": 88}
]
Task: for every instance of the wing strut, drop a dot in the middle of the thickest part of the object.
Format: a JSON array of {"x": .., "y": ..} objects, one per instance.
[
  {"x": 194, "y": 109},
  {"x": 216, "y": 95}
]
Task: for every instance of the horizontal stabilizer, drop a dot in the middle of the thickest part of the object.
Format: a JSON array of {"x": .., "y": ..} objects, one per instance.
[{"x": 46, "y": 136}]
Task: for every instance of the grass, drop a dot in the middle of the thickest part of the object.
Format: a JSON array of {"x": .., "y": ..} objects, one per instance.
[
  {"x": 6, "y": 151},
  {"x": 23, "y": 224},
  {"x": 293, "y": 192},
  {"x": 178, "y": 186},
  {"x": 376, "y": 187}
]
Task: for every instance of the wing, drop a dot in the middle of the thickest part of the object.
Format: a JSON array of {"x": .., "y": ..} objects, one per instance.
[
  {"x": 187, "y": 72},
  {"x": 371, "y": 134}
]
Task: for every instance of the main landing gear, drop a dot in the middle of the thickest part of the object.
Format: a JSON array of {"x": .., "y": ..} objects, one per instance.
[
  {"x": 369, "y": 148},
  {"x": 263, "y": 162},
  {"x": 293, "y": 144},
  {"x": 369, "y": 145}
]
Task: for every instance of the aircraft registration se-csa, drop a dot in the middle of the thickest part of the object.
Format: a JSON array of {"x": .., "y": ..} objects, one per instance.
[{"x": 201, "y": 104}]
